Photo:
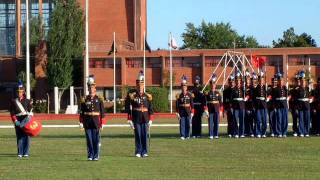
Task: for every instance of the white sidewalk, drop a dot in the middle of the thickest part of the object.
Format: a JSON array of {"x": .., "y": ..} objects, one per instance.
[{"x": 110, "y": 125}]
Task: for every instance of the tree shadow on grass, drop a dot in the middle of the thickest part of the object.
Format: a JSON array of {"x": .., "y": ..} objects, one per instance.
[
  {"x": 124, "y": 136},
  {"x": 8, "y": 154}
]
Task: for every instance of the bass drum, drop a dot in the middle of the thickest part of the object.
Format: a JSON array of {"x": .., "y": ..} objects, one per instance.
[{"x": 32, "y": 127}]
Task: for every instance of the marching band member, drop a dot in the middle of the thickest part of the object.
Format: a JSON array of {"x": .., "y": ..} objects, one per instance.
[
  {"x": 140, "y": 116},
  {"x": 185, "y": 109},
  {"x": 212, "y": 108},
  {"x": 92, "y": 119},
  {"x": 20, "y": 108},
  {"x": 259, "y": 98}
]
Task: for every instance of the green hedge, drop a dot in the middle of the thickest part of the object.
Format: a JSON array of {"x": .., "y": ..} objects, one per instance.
[
  {"x": 40, "y": 106},
  {"x": 159, "y": 98}
]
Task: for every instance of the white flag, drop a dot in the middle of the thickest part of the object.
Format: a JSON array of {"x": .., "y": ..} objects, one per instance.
[{"x": 173, "y": 43}]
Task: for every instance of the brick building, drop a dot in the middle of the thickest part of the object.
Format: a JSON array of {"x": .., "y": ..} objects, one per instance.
[
  {"x": 128, "y": 19},
  {"x": 195, "y": 62}
]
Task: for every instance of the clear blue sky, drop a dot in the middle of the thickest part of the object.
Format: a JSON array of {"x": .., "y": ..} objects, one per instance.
[{"x": 264, "y": 19}]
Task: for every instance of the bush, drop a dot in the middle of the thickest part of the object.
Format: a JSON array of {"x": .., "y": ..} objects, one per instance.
[
  {"x": 159, "y": 98},
  {"x": 40, "y": 106},
  {"x": 120, "y": 103}
]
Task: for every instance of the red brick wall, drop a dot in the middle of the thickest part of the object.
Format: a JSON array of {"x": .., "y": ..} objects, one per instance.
[
  {"x": 108, "y": 16},
  {"x": 104, "y": 76}
]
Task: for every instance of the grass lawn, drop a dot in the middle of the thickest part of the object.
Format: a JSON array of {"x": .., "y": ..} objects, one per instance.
[{"x": 61, "y": 154}]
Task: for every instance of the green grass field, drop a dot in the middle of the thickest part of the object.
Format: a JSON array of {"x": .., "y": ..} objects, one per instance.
[{"x": 60, "y": 153}]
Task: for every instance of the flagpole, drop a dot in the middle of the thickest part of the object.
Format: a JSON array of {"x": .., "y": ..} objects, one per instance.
[
  {"x": 144, "y": 60},
  {"x": 86, "y": 65},
  {"x": 27, "y": 51},
  {"x": 170, "y": 50},
  {"x": 114, "y": 72},
  {"x": 309, "y": 68},
  {"x": 287, "y": 84}
]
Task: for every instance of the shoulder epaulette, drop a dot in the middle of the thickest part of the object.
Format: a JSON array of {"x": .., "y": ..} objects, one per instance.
[
  {"x": 177, "y": 96},
  {"x": 82, "y": 100},
  {"x": 100, "y": 98},
  {"x": 149, "y": 96},
  {"x": 131, "y": 95}
]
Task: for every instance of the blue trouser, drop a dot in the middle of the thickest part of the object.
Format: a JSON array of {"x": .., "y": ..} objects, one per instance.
[
  {"x": 213, "y": 124},
  {"x": 23, "y": 142},
  {"x": 261, "y": 121},
  {"x": 185, "y": 126},
  {"x": 238, "y": 121},
  {"x": 304, "y": 121},
  {"x": 249, "y": 122},
  {"x": 93, "y": 140},
  {"x": 141, "y": 135},
  {"x": 273, "y": 121},
  {"x": 282, "y": 121}
]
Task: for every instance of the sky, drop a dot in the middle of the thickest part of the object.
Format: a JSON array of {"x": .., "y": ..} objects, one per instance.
[{"x": 266, "y": 20}]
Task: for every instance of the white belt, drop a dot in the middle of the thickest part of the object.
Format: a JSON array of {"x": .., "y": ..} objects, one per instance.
[
  {"x": 261, "y": 98},
  {"x": 196, "y": 103},
  {"x": 238, "y": 99},
  {"x": 304, "y": 99},
  {"x": 281, "y": 98},
  {"x": 22, "y": 114}
]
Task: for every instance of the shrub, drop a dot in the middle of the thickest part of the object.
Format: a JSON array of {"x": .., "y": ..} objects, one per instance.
[
  {"x": 40, "y": 106},
  {"x": 159, "y": 98}
]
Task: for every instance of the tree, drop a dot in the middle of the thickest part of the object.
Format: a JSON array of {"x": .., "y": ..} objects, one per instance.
[
  {"x": 291, "y": 39},
  {"x": 215, "y": 36},
  {"x": 166, "y": 78},
  {"x": 65, "y": 37},
  {"x": 36, "y": 34},
  {"x": 22, "y": 76}
]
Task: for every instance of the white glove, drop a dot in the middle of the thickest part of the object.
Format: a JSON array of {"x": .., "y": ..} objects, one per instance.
[
  {"x": 150, "y": 123},
  {"x": 178, "y": 116},
  {"x": 131, "y": 124},
  {"x": 81, "y": 125},
  {"x": 205, "y": 114},
  {"x": 191, "y": 116},
  {"x": 101, "y": 128},
  {"x": 311, "y": 100}
]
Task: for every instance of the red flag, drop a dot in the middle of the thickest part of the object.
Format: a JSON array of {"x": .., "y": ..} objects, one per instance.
[{"x": 258, "y": 61}]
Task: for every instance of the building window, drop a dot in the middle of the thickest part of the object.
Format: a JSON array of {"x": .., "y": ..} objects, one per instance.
[
  {"x": 108, "y": 63},
  {"x": 138, "y": 62},
  {"x": 212, "y": 61},
  {"x": 303, "y": 60},
  {"x": 153, "y": 62},
  {"x": 33, "y": 9},
  {"x": 47, "y": 8},
  {"x": 193, "y": 62},
  {"x": 7, "y": 27},
  {"x": 134, "y": 62},
  {"x": 176, "y": 62}
]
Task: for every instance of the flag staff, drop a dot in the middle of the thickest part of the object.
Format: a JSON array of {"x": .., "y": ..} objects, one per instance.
[
  {"x": 170, "y": 50},
  {"x": 114, "y": 72},
  {"x": 27, "y": 51},
  {"x": 86, "y": 62},
  {"x": 144, "y": 60}
]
